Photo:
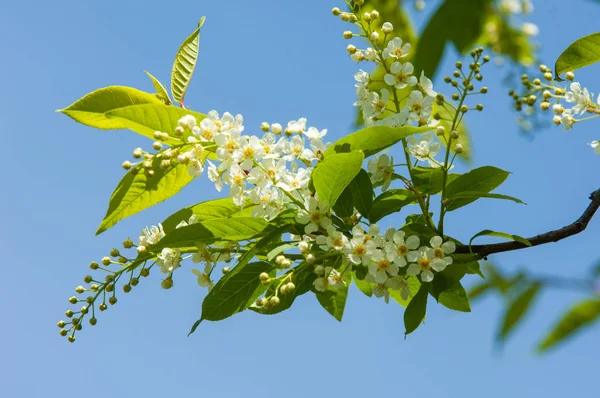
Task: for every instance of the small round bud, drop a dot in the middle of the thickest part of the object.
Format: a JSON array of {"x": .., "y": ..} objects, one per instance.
[
  {"x": 470, "y": 87},
  {"x": 348, "y": 34},
  {"x": 264, "y": 276},
  {"x": 483, "y": 90},
  {"x": 167, "y": 283},
  {"x": 109, "y": 288},
  {"x": 286, "y": 263},
  {"x": 80, "y": 289},
  {"x": 89, "y": 299},
  {"x": 544, "y": 106},
  {"x": 93, "y": 321},
  {"x": 464, "y": 109},
  {"x": 144, "y": 272},
  {"x": 276, "y": 128},
  {"x": 556, "y": 120},
  {"x": 335, "y": 11},
  {"x": 290, "y": 286},
  {"x": 570, "y": 75},
  {"x": 69, "y": 313},
  {"x": 61, "y": 324},
  {"x": 458, "y": 64},
  {"x": 319, "y": 270},
  {"x": 114, "y": 252},
  {"x": 310, "y": 258},
  {"x": 447, "y": 79},
  {"x": 112, "y": 300},
  {"x": 264, "y": 126},
  {"x": 157, "y": 135},
  {"x": 486, "y": 58},
  {"x": 84, "y": 310},
  {"x": 165, "y": 164},
  {"x": 548, "y": 76},
  {"x": 106, "y": 260},
  {"x": 558, "y": 109},
  {"x": 387, "y": 28},
  {"x": 352, "y": 18},
  {"x": 279, "y": 259},
  {"x": 454, "y": 134},
  {"x": 304, "y": 247},
  {"x": 87, "y": 278},
  {"x": 543, "y": 68},
  {"x": 344, "y": 16},
  {"x": 126, "y": 165},
  {"x": 73, "y": 300},
  {"x": 141, "y": 249},
  {"x": 259, "y": 302},
  {"x": 157, "y": 145},
  {"x": 374, "y": 36},
  {"x": 440, "y": 131},
  {"x": 274, "y": 301},
  {"x": 79, "y": 326},
  {"x": 283, "y": 289},
  {"x": 479, "y": 107},
  {"x": 134, "y": 281},
  {"x": 455, "y": 97},
  {"x": 127, "y": 243},
  {"x": 63, "y": 332},
  {"x": 459, "y": 148},
  {"x": 94, "y": 288},
  {"x": 137, "y": 153},
  {"x": 367, "y": 17},
  {"x": 179, "y": 131},
  {"x": 350, "y": 49},
  {"x": 456, "y": 73},
  {"x": 93, "y": 265},
  {"x": 359, "y": 2},
  {"x": 71, "y": 338},
  {"x": 126, "y": 288},
  {"x": 374, "y": 14},
  {"x": 102, "y": 307},
  {"x": 109, "y": 278},
  {"x": 479, "y": 77}
]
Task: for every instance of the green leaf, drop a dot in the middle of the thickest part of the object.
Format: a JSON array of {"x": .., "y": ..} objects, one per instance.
[
  {"x": 344, "y": 207},
  {"x": 280, "y": 249},
  {"x": 363, "y": 285},
  {"x": 489, "y": 232},
  {"x": 137, "y": 191},
  {"x": 450, "y": 293},
  {"x": 390, "y": 202},
  {"x": 372, "y": 140},
  {"x": 582, "y": 52},
  {"x": 185, "y": 63},
  {"x": 483, "y": 179},
  {"x": 517, "y": 309},
  {"x": 145, "y": 119},
  {"x": 232, "y": 293},
  {"x": 333, "y": 174},
  {"x": 479, "y": 195},
  {"x": 429, "y": 180},
  {"x": 118, "y": 107},
  {"x": 217, "y": 208},
  {"x": 361, "y": 189},
  {"x": 334, "y": 301},
  {"x": 416, "y": 309},
  {"x": 413, "y": 287},
  {"x": 479, "y": 290},
  {"x": 233, "y": 228},
  {"x": 303, "y": 278},
  {"x": 582, "y": 315},
  {"x": 161, "y": 92}
]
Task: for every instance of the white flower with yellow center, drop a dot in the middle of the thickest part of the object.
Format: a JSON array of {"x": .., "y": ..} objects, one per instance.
[
  {"x": 420, "y": 107},
  {"x": 168, "y": 260},
  {"x": 362, "y": 79},
  {"x": 207, "y": 130},
  {"x": 382, "y": 266},
  {"x": 316, "y": 151},
  {"x": 396, "y": 49},
  {"x": 581, "y": 97},
  {"x": 382, "y": 170},
  {"x": 250, "y": 149},
  {"x": 334, "y": 240},
  {"x": 296, "y": 126},
  {"x": 404, "y": 248},
  {"x": 401, "y": 75},
  {"x": 423, "y": 148},
  {"x": 314, "y": 133},
  {"x": 315, "y": 216},
  {"x": 336, "y": 279},
  {"x": 291, "y": 182},
  {"x": 151, "y": 235},
  {"x": 425, "y": 263},
  {"x": 321, "y": 284},
  {"x": 215, "y": 175},
  {"x": 376, "y": 103},
  {"x": 442, "y": 249},
  {"x": 204, "y": 277},
  {"x": 236, "y": 178}
]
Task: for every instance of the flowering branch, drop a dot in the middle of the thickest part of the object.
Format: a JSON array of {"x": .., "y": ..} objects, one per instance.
[{"x": 552, "y": 236}]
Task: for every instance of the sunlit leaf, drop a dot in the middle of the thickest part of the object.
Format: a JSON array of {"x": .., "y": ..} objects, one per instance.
[
  {"x": 161, "y": 92},
  {"x": 185, "y": 63},
  {"x": 333, "y": 174},
  {"x": 517, "y": 309},
  {"x": 582, "y": 52},
  {"x": 582, "y": 315}
]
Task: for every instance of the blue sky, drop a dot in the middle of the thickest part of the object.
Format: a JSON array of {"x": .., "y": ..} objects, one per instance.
[{"x": 273, "y": 61}]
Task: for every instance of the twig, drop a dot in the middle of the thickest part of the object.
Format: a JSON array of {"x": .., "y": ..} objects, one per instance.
[{"x": 553, "y": 236}]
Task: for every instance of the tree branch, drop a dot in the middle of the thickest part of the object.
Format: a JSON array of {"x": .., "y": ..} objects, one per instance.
[{"x": 553, "y": 236}]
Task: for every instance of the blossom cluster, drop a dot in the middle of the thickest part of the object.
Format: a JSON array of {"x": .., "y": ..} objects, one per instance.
[{"x": 570, "y": 103}]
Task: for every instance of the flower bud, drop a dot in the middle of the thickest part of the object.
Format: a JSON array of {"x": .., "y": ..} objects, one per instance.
[
  {"x": 73, "y": 300},
  {"x": 102, "y": 307},
  {"x": 94, "y": 288},
  {"x": 264, "y": 276},
  {"x": 80, "y": 289},
  {"x": 126, "y": 288},
  {"x": 548, "y": 76},
  {"x": 114, "y": 252},
  {"x": 348, "y": 34},
  {"x": 112, "y": 300},
  {"x": 387, "y": 28},
  {"x": 483, "y": 90},
  {"x": 570, "y": 75},
  {"x": 127, "y": 243},
  {"x": 105, "y": 260},
  {"x": 464, "y": 109},
  {"x": 283, "y": 289},
  {"x": 179, "y": 131},
  {"x": 459, "y": 148},
  {"x": 63, "y": 332},
  {"x": 558, "y": 109},
  {"x": 359, "y": 2},
  {"x": 157, "y": 145},
  {"x": 279, "y": 259},
  {"x": 93, "y": 321},
  {"x": 141, "y": 249},
  {"x": 274, "y": 301},
  {"x": 479, "y": 107},
  {"x": 69, "y": 313},
  {"x": 367, "y": 17},
  {"x": 93, "y": 265},
  {"x": 344, "y": 16},
  {"x": 144, "y": 272},
  {"x": 126, "y": 165},
  {"x": 556, "y": 120},
  {"x": 304, "y": 247},
  {"x": 276, "y": 128},
  {"x": 350, "y": 49},
  {"x": 544, "y": 106},
  {"x": 84, "y": 310},
  {"x": 137, "y": 153},
  {"x": 286, "y": 264},
  {"x": 319, "y": 270},
  {"x": 374, "y": 36},
  {"x": 71, "y": 338},
  {"x": 454, "y": 134},
  {"x": 310, "y": 258},
  {"x": 440, "y": 131},
  {"x": 335, "y": 11},
  {"x": 264, "y": 126},
  {"x": 290, "y": 287},
  {"x": 61, "y": 324},
  {"x": 134, "y": 281},
  {"x": 89, "y": 299},
  {"x": 157, "y": 135},
  {"x": 259, "y": 302},
  {"x": 352, "y": 18},
  {"x": 225, "y": 270}
]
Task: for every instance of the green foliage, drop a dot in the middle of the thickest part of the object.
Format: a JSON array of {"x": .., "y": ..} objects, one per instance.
[
  {"x": 517, "y": 309},
  {"x": 118, "y": 107},
  {"x": 503, "y": 38},
  {"x": 333, "y": 174},
  {"x": 450, "y": 293},
  {"x": 361, "y": 190},
  {"x": 582, "y": 315},
  {"x": 138, "y": 191},
  {"x": 475, "y": 183},
  {"x": 582, "y": 52},
  {"x": 216, "y": 208},
  {"x": 334, "y": 300},
  {"x": 217, "y": 229},
  {"x": 429, "y": 180},
  {"x": 390, "y": 202},
  {"x": 489, "y": 232},
  {"x": 413, "y": 287},
  {"x": 416, "y": 309},
  {"x": 372, "y": 140},
  {"x": 161, "y": 92},
  {"x": 185, "y": 63}
]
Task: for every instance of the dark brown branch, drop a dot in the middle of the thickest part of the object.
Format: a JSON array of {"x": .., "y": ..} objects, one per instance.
[{"x": 553, "y": 236}]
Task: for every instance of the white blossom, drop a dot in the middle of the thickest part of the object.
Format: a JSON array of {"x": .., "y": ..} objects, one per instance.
[
  {"x": 400, "y": 75},
  {"x": 395, "y": 49},
  {"x": 168, "y": 260}
]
